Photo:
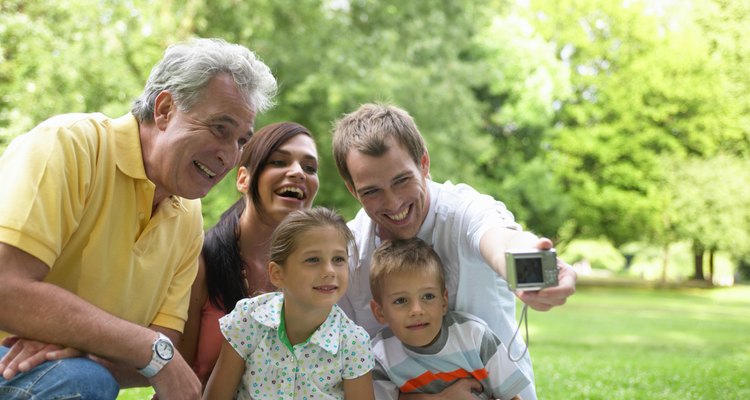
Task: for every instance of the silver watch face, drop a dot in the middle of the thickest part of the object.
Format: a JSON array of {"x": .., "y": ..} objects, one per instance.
[{"x": 164, "y": 350}]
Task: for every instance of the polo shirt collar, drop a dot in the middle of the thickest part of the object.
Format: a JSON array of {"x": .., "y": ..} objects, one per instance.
[
  {"x": 128, "y": 144},
  {"x": 325, "y": 337},
  {"x": 129, "y": 155}
]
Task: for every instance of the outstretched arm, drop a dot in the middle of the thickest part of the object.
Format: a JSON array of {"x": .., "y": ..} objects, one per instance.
[{"x": 493, "y": 246}]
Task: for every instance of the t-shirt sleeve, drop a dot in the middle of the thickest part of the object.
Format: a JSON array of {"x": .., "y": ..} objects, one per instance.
[
  {"x": 384, "y": 388},
  {"x": 356, "y": 352},
  {"x": 505, "y": 376},
  {"x": 481, "y": 212},
  {"x": 46, "y": 175},
  {"x": 237, "y": 328}
]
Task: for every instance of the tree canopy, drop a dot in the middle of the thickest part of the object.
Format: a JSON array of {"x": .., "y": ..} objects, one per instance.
[{"x": 609, "y": 118}]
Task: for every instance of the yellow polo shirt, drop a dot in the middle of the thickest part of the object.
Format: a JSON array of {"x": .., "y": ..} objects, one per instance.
[{"x": 75, "y": 195}]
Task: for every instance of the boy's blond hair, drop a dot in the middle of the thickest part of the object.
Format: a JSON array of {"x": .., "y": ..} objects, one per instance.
[{"x": 402, "y": 256}]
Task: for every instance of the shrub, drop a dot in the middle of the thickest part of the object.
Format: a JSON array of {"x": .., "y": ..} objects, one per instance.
[{"x": 599, "y": 253}]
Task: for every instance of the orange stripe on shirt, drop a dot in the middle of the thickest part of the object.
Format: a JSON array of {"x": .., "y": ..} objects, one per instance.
[{"x": 428, "y": 377}]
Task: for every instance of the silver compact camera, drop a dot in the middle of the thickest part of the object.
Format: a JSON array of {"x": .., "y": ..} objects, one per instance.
[{"x": 531, "y": 269}]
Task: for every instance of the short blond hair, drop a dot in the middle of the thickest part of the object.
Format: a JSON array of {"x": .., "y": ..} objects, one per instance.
[{"x": 402, "y": 256}]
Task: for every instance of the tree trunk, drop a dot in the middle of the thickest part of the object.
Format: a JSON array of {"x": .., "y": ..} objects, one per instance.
[
  {"x": 710, "y": 266},
  {"x": 664, "y": 262},
  {"x": 698, "y": 251}
]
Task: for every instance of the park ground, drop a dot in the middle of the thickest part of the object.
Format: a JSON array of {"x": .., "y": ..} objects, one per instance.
[{"x": 633, "y": 341}]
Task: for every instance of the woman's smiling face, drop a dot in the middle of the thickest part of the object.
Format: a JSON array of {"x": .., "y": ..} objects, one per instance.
[{"x": 289, "y": 180}]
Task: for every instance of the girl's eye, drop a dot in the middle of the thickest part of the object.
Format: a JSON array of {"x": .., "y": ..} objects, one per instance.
[
  {"x": 312, "y": 260},
  {"x": 339, "y": 260}
]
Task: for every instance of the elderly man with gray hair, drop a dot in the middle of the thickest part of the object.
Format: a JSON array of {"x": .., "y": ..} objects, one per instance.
[{"x": 101, "y": 228}]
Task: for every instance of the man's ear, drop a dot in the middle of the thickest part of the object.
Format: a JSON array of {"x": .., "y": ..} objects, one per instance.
[
  {"x": 163, "y": 109},
  {"x": 424, "y": 164},
  {"x": 243, "y": 179},
  {"x": 377, "y": 311},
  {"x": 276, "y": 274}
]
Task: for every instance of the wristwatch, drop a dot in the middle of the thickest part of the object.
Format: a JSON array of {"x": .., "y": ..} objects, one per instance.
[{"x": 161, "y": 352}]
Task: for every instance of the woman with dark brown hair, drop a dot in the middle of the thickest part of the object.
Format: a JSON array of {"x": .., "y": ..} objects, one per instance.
[{"x": 278, "y": 174}]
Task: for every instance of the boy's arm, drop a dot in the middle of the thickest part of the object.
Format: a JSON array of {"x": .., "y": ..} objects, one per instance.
[
  {"x": 226, "y": 376},
  {"x": 493, "y": 244},
  {"x": 505, "y": 378}
]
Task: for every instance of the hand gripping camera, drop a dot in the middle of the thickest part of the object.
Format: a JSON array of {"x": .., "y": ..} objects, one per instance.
[{"x": 531, "y": 269}]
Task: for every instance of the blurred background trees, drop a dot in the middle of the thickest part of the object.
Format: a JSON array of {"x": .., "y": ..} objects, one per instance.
[{"x": 606, "y": 125}]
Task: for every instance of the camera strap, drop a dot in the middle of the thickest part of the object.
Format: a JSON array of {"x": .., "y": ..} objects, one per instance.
[{"x": 525, "y": 320}]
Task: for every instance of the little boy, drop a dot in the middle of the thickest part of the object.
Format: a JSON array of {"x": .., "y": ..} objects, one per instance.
[{"x": 426, "y": 348}]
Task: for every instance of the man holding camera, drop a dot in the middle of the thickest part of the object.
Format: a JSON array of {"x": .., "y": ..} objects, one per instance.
[{"x": 384, "y": 161}]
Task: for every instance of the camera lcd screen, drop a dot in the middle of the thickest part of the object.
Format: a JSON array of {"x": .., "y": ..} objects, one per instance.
[{"x": 529, "y": 270}]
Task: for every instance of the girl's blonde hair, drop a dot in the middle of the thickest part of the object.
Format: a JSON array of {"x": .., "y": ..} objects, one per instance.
[{"x": 285, "y": 237}]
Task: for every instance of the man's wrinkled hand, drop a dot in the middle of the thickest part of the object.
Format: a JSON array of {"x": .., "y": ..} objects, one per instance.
[
  {"x": 462, "y": 389},
  {"x": 25, "y": 354},
  {"x": 176, "y": 381}
]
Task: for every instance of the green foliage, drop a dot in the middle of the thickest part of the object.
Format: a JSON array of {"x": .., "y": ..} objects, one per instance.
[
  {"x": 563, "y": 109},
  {"x": 76, "y": 56},
  {"x": 537, "y": 199},
  {"x": 223, "y": 195},
  {"x": 522, "y": 81},
  {"x": 708, "y": 201},
  {"x": 599, "y": 254},
  {"x": 724, "y": 24},
  {"x": 331, "y": 57},
  {"x": 646, "y": 83}
]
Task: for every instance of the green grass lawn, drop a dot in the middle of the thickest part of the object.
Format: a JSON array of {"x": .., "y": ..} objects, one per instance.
[
  {"x": 625, "y": 343},
  {"x": 614, "y": 343}
]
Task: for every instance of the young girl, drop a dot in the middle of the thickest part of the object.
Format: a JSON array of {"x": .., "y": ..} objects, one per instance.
[{"x": 297, "y": 343}]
